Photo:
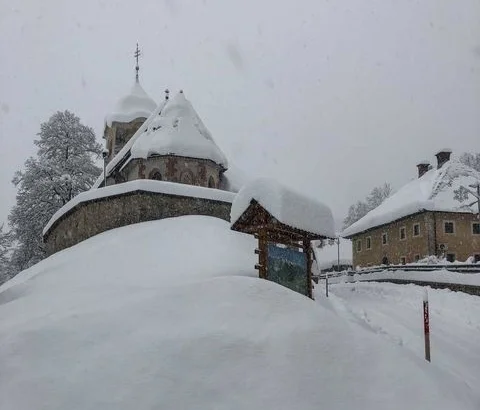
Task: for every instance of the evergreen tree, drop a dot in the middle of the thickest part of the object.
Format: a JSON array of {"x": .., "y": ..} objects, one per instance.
[
  {"x": 63, "y": 168},
  {"x": 5, "y": 248},
  {"x": 361, "y": 208}
]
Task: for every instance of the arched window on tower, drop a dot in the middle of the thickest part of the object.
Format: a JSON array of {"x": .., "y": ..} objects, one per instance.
[
  {"x": 211, "y": 182},
  {"x": 155, "y": 174}
]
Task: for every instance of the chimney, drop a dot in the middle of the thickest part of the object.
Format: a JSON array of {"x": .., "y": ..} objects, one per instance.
[
  {"x": 423, "y": 167},
  {"x": 443, "y": 156}
]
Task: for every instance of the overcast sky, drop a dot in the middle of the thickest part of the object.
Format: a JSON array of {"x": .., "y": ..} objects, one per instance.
[{"x": 330, "y": 97}]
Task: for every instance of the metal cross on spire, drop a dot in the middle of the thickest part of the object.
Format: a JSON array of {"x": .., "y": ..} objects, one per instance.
[{"x": 136, "y": 55}]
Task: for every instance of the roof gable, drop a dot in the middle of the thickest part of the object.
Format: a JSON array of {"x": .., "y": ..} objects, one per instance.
[
  {"x": 289, "y": 208},
  {"x": 434, "y": 191}
]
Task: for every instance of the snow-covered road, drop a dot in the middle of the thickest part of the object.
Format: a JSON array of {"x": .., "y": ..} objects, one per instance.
[{"x": 394, "y": 312}]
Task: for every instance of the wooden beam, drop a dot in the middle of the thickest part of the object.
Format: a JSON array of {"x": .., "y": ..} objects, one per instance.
[
  {"x": 262, "y": 255},
  {"x": 307, "y": 249}
]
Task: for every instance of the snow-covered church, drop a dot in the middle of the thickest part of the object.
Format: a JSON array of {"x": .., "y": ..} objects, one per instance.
[{"x": 160, "y": 161}]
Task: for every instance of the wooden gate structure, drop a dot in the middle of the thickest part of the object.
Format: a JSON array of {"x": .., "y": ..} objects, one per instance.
[{"x": 257, "y": 221}]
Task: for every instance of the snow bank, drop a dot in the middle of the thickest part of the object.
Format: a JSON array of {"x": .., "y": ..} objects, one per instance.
[
  {"x": 394, "y": 313},
  {"x": 441, "y": 276},
  {"x": 147, "y": 185},
  {"x": 178, "y": 130},
  {"x": 165, "y": 314},
  {"x": 136, "y": 104},
  {"x": 287, "y": 206},
  {"x": 434, "y": 191}
]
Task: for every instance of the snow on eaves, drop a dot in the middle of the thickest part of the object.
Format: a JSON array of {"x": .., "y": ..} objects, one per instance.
[
  {"x": 434, "y": 191},
  {"x": 287, "y": 206},
  {"x": 178, "y": 130},
  {"x": 137, "y": 104},
  {"x": 147, "y": 185}
]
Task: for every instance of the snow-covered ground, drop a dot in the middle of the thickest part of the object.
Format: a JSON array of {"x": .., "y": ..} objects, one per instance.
[
  {"x": 394, "y": 313},
  {"x": 169, "y": 315}
]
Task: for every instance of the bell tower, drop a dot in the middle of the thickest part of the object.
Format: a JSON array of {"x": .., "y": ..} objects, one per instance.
[{"x": 128, "y": 115}]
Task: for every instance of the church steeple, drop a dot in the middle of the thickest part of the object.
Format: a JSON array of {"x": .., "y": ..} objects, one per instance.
[
  {"x": 128, "y": 114},
  {"x": 137, "y": 68}
]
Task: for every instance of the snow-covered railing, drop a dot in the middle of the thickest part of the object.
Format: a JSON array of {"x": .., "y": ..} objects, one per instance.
[{"x": 461, "y": 268}]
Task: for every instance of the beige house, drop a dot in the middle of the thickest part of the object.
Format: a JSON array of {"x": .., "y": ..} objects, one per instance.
[{"x": 422, "y": 219}]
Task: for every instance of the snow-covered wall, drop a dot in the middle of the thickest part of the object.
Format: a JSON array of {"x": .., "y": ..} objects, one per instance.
[{"x": 97, "y": 211}]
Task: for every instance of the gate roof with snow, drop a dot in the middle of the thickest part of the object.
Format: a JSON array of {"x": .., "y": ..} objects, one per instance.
[{"x": 264, "y": 203}]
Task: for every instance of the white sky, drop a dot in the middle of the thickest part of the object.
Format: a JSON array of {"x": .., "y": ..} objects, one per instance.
[{"x": 330, "y": 97}]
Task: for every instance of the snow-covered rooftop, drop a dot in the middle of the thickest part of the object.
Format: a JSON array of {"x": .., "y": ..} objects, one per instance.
[
  {"x": 434, "y": 191},
  {"x": 136, "y": 104},
  {"x": 126, "y": 148},
  {"x": 178, "y": 130},
  {"x": 287, "y": 206},
  {"x": 147, "y": 185}
]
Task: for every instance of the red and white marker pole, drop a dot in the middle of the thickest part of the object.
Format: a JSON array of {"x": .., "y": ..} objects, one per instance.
[
  {"x": 326, "y": 284},
  {"x": 426, "y": 325}
]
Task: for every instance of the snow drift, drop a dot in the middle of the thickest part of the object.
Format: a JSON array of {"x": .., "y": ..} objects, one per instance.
[{"x": 167, "y": 315}]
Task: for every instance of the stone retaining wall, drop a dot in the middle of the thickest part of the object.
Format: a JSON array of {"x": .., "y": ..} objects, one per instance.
[{"x": 90, "y": 218}]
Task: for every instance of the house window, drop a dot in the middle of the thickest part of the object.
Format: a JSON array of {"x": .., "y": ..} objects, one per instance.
[
  {"x": 384, "y": 238},
  {"x": 449, "y": 227},
  {"x": 416, "y": 230},
  {"x": 359, "y": 245},
  {"x": 477, "y": 257},
  {"x": 403, "y": 233},
  {"x": 450, "y": 257},
  {"x": 369, "y": 243},
  {"x": 403, "y": 260},
  {"x": 476, "y": 228},
  {"x": 417, "y": 258}
]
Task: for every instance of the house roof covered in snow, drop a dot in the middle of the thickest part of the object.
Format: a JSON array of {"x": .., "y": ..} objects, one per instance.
[
  {"x": 136, "y": 104},
  {"x": 178, "y": 130},
  {"x": 434, "y": 191},
  {"x": 285, "y": 205}
]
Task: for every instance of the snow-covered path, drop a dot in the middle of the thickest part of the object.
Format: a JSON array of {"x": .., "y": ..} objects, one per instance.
[{"x": 394, "y": 312}]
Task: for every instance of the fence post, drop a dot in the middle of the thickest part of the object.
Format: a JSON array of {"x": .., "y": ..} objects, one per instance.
[
  {"x": 426, "y": 325},
  {"x": 326, "y": 284}
]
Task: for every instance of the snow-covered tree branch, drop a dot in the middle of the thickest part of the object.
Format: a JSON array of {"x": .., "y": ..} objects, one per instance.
[{"x": 373, "y": 200}]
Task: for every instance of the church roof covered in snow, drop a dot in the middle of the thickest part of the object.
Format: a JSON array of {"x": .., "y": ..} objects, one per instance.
[
  {"x": 178, "y": 130},
  {"x": 434, "y": 191},
  {"x": 136, "y": 104}
]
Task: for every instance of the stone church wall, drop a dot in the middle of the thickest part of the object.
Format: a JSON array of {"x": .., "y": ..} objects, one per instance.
[
  {"x": 171, "y": 168},
  {"x": 93, "y": 217}
]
